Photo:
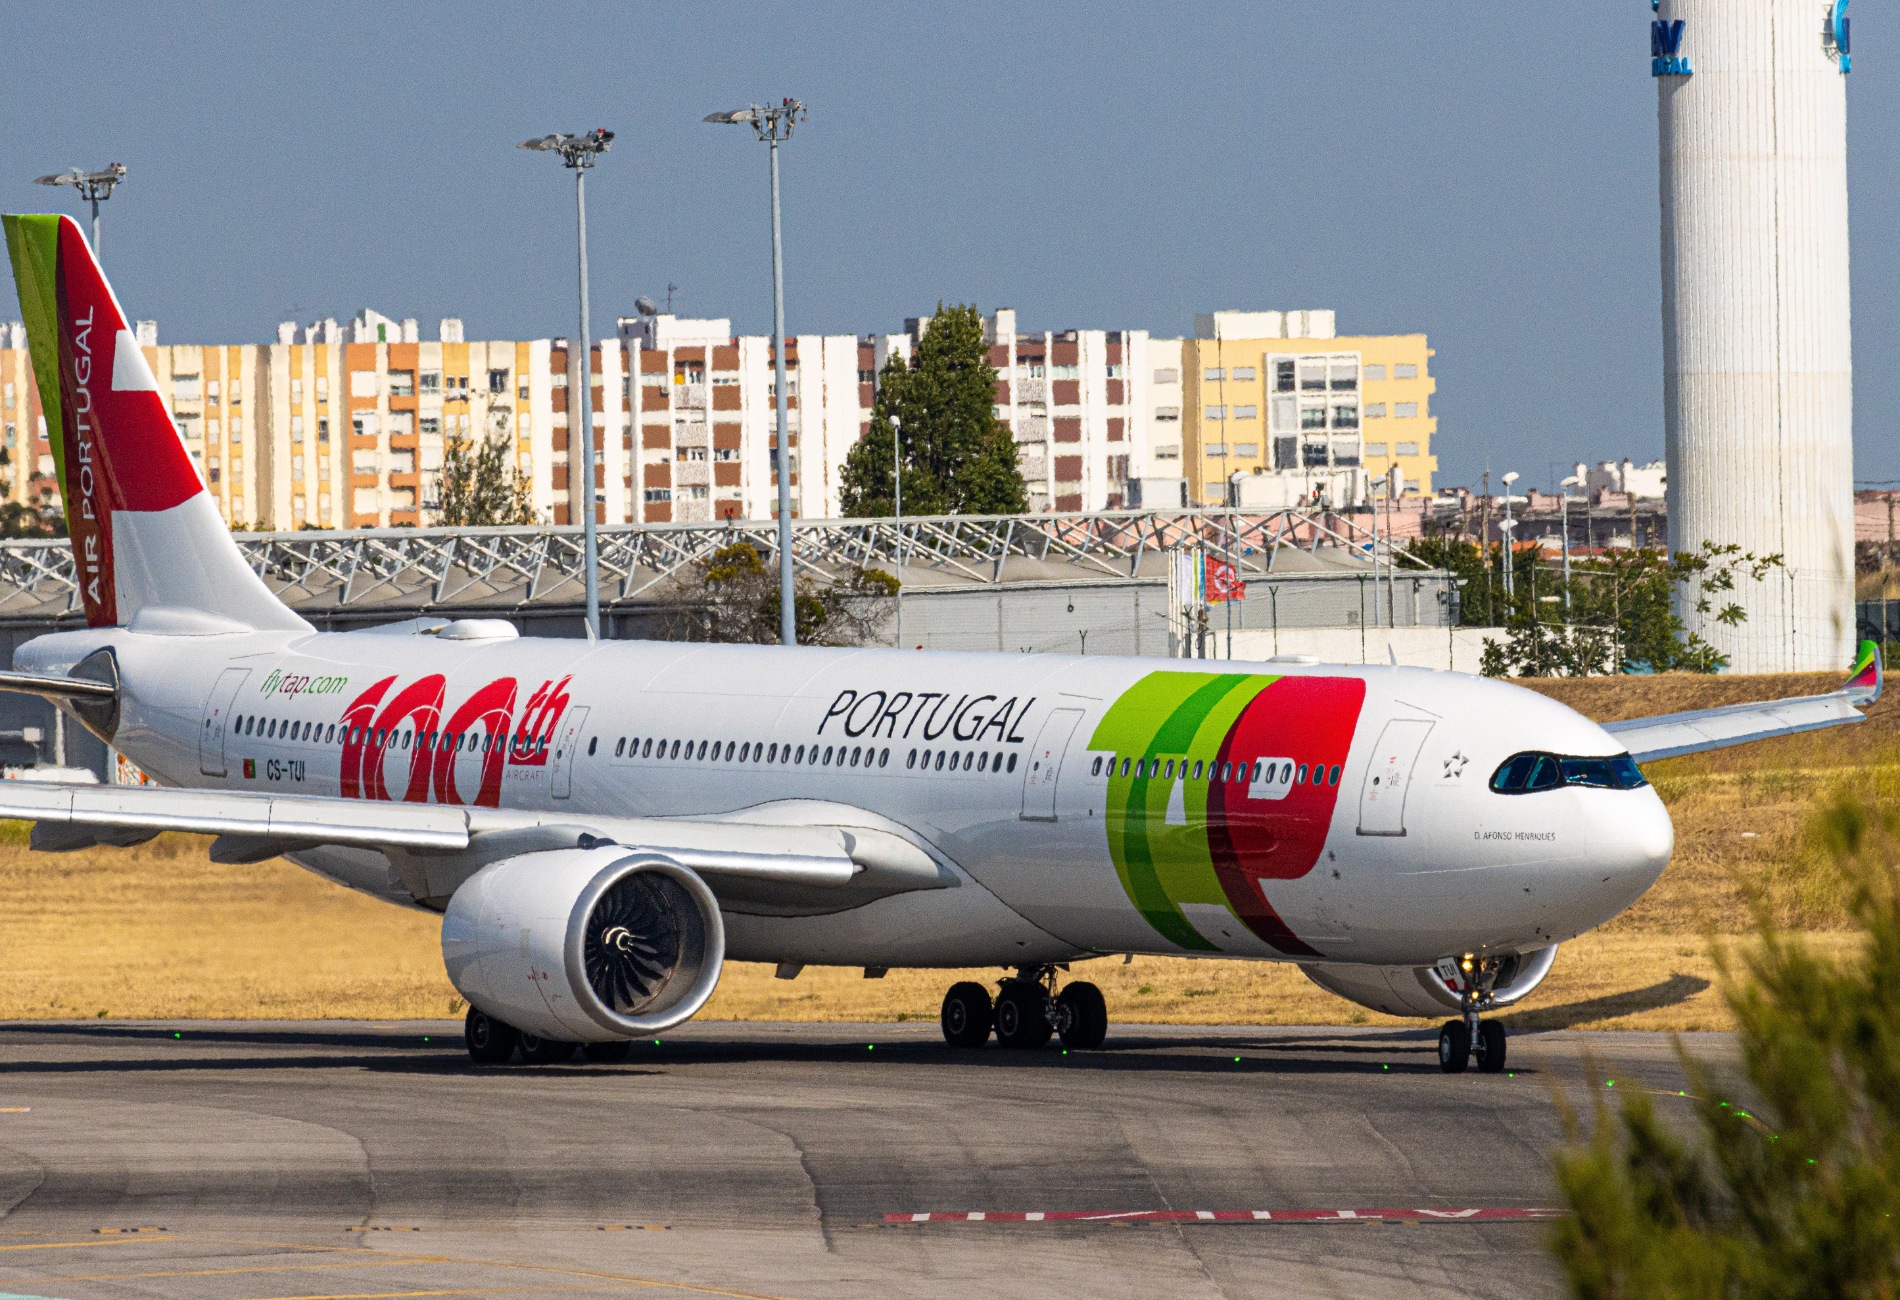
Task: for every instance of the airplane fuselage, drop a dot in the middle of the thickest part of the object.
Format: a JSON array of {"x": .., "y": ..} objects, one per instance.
[{"x": 1086, "y": 804}]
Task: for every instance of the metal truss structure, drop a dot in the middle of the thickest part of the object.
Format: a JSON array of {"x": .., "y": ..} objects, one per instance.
[{"x": 374, "y": 575}]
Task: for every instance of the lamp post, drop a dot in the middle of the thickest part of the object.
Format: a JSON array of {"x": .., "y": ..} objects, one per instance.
[
  {"x": 578, "y": 153},
  {"x": 96, "y": 187},
  {"x": 897, "y": 511},
  {"x": 773, "y": 123},
  {"x": 1510, "y": 579}
]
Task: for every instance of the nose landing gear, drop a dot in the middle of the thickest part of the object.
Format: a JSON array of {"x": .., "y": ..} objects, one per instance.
[
  {"x": 1459, "y": 1040},
  {"x": 1026, "y": 1012}
]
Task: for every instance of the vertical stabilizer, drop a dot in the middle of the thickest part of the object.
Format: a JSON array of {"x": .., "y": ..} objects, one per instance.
[{"x": 144, "y": 531}]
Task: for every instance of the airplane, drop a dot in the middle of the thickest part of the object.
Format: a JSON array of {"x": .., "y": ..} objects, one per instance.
[{"x": 602, "y": 825}]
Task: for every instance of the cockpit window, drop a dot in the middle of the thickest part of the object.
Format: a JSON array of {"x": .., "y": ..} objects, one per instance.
[{"x": 1528, "y": 773}]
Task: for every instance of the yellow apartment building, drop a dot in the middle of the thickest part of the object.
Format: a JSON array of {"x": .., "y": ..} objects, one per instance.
[{"x": 1278, "y": 408}]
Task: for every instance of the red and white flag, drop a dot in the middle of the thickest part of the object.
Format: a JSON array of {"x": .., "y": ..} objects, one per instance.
[{"x": 1223, "y": 582}]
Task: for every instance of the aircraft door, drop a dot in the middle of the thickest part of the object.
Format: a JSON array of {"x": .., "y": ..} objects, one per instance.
[
  {"x": 217, "y": 720},
  {"x": 561, "y": 780},
  {"x": 1382, "y": 797},
  {"x": 1045, "y": 765}
]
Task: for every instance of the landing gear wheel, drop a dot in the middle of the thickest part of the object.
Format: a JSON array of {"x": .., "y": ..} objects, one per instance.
[
  {"x": 490, "y": 1042},
  {"x": 1454, "y": 1047},
  {"x": 1022, "y": 1016},
  {"x": 1490, "y": 1046},
  {"x": 545, "y": 1051},
  {"x": 967, "y": 1015},
  {"x": 611, "y": 1053},
  {"x": 1081, "y": 1016}
]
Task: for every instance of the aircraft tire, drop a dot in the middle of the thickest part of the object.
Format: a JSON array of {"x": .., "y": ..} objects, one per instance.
[
  {"x": 490, "y": 1042},
  {"x": 1083, "y": 1014},
  {"x": 609, "y": 1053},
  {"x": 1022, "y": 1018},
  {"x": 545, "y": 1051},
  {"x": 1454, "y": 1047},
  {"x": 1490, "y": 1047},
  {"x": 967, "y": 1015}
]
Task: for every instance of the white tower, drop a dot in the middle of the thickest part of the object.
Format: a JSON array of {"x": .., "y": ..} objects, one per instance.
[{"x": 1757, "y": 369}]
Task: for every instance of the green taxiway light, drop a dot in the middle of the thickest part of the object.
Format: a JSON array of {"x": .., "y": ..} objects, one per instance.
[{"x": 177, "y": 1035}]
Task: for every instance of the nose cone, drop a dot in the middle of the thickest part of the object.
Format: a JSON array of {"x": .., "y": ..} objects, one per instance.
[{"x": 1631, "y": 838}]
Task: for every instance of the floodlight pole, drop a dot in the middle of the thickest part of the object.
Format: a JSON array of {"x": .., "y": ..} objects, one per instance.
[
  {"x": 773, "y": 123},
  {"x": 578, "y": 152},
  {"x": 95, "y": 187},
  {"x": 897, "y": 512}
]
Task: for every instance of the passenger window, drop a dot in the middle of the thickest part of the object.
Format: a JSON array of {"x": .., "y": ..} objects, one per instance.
[
  {"x": 1012, "y": 762},
  {"x": 1332, "y": 775},
  {"x": 883, "y": 757},
  {"x": 594, "y": 743},
  {"x": 1124, "y": 766},
  {"x": 911, "y": 762},
  {"x": 941, "y": 755},
  {"x": 1096, "y": 769},
  {"x": 1197, "y": 771},
  {"x": 1299, "y": 778}
]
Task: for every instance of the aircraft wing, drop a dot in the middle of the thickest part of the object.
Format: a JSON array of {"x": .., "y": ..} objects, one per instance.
[
  {"x": 1672, "y": 734},
  {"x": 434, "y": 848}
]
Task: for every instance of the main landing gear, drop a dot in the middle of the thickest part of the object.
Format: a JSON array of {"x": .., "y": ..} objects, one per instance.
[
  {"x": 490, "y": 1042},
  {"x": 1459, "y": 1040},
  {"x": 1026, "y": 1012}
]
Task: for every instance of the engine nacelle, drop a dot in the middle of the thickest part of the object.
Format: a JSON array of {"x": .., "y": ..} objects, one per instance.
[
  {"x": 585, "y": 945},
  {"x": 1423, "y": 990}
]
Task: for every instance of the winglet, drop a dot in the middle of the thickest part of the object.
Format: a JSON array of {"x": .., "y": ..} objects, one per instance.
[{"x": 1863, "y": 687}]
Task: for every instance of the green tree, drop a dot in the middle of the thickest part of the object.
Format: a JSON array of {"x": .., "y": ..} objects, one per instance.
[
  {"x": 958, "y": 458},
  {"x": 1622, "y": 612},
  {"x": 733, "y": 596},
  {"x": 1792, "y": 1197},
  {"x": 479, "y": 485}
]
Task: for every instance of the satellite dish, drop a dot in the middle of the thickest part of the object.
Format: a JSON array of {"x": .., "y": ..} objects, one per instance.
[{"x": 646, "y": 306}]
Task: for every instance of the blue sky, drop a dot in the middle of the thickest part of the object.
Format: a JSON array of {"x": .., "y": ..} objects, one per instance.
[{"x": 1485, "y": 174}]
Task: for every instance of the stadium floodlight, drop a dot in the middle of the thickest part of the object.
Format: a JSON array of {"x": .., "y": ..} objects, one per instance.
[
  {"x": 773, "y": 123},
  {"x": 578, "y": 152},
  {"x": 96, "y": 187}
]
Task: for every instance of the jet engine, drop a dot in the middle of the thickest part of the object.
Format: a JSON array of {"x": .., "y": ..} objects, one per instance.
[
  {"x": 1428, "y": 990},
  {"x": 585, "y": 945}
]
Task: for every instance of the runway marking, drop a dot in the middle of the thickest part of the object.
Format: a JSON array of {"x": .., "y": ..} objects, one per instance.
[
  {"x": 14, "y": 1110},
  {"x": 63, "y": 1245},
  {"x": 261, "y": 1268},
  {"x": 1475, "y": 1214},
  {"x": 608, "y": 1281}
]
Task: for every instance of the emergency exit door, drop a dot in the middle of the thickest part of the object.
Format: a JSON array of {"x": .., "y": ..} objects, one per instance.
[
  {"x": 217, "y": 720},
  {"x": 562, "y": 778},
  {"x": 1045, "y": 765},
  {"x": 1389, "y": 777}
]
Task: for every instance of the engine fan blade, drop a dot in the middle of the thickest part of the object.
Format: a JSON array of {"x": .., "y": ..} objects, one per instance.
[{"x": 634, "y": 941}]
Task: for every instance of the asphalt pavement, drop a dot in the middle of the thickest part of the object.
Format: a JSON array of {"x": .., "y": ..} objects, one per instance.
[{"x": 267, "y": 1160}]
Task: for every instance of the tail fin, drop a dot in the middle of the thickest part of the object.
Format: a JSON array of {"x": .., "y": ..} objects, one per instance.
[
  {"x": 1864, "y": 683},
  {"x": 144, "y": 531}
]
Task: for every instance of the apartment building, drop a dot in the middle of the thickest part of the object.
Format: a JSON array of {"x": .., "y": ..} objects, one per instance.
[
  {"x": 345, "y": 425},
  {"x": 1278, "y": 407}
]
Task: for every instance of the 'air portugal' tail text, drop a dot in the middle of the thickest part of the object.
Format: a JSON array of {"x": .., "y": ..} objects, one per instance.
[{"x": 145, "y": 534}]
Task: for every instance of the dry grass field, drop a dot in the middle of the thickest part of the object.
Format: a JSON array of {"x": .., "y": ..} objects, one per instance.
[{"x": 160, "y": 931}]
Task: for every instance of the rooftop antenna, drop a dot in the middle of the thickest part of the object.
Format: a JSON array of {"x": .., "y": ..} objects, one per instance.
[{"x": 671, "y": 289}]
